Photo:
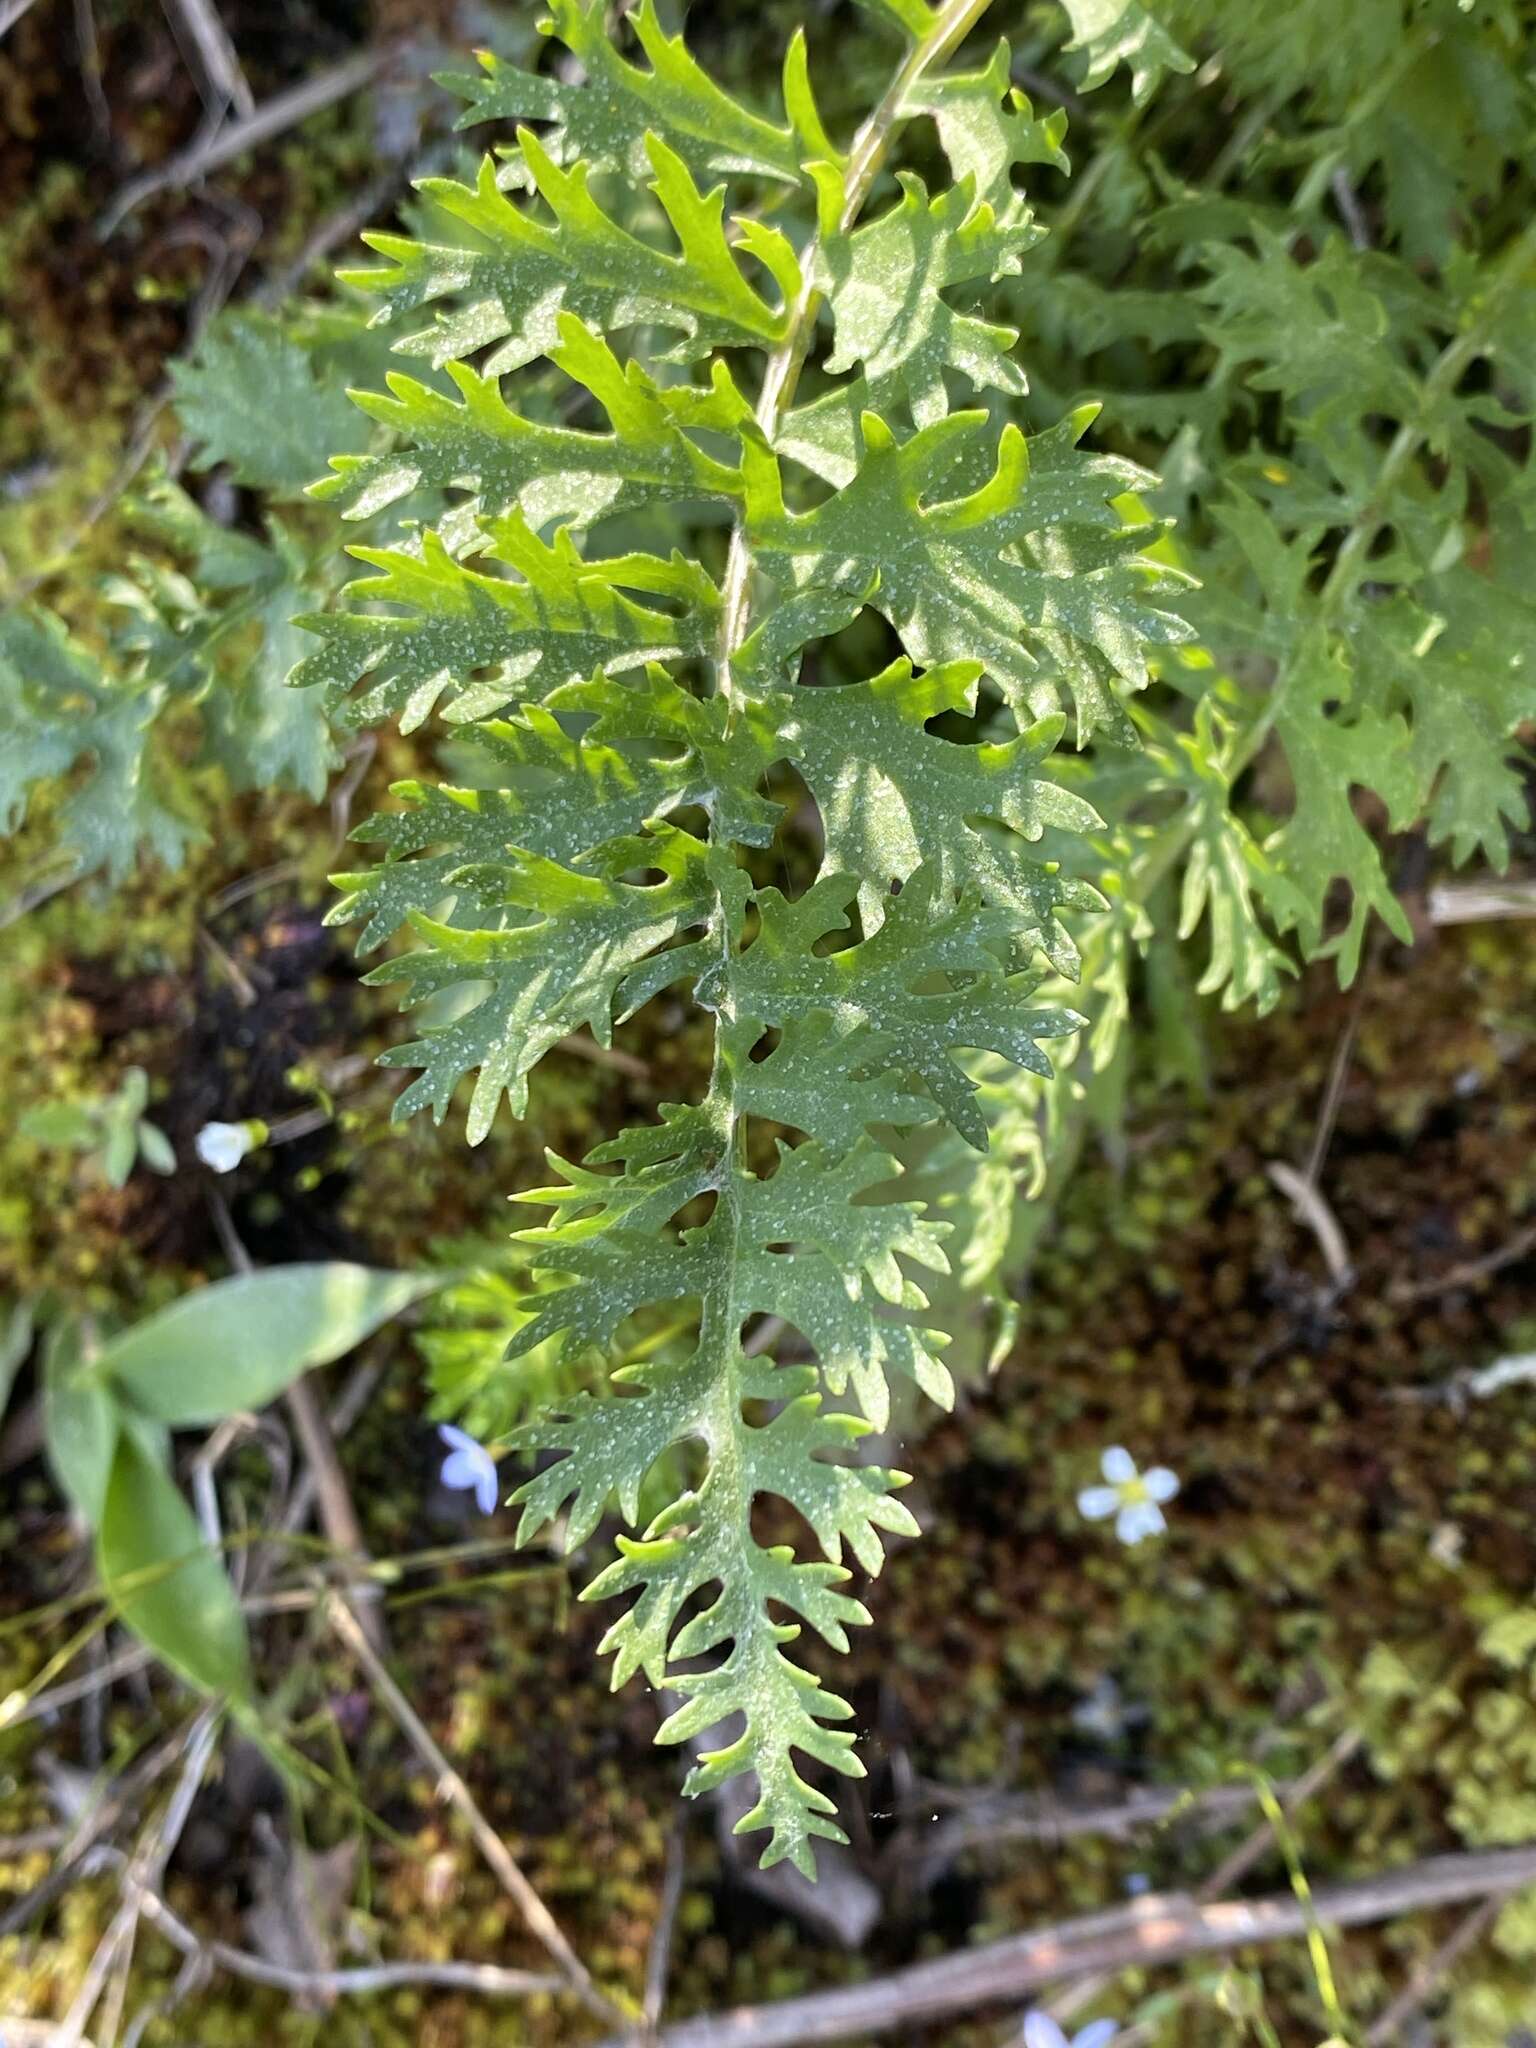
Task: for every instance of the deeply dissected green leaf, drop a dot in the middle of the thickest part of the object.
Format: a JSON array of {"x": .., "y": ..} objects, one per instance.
[
  {"x": 602, "y": 119},
  {"x": 886, "y": 282},
  {"x": 894, "y": 796},
  {"x": 546, "y": 473},
  {"x": 190, "y": 674},
  {"x": 1113, "y": 32},
  {"x": 60, "y": 708},
  {"x": 520, "y": 272},
  {"x": 988, "y": 129},
  {"x": 562, "y": 618},
  {"x": 581, "y": 933},
  {"x": 561, "y": 798},
  {"x": 1031, "y": 573},
  {"x": 873, "y": 985},
  {"x": 1330, "y": 756},
  {"x": 250, "y": 398},
  {"x": 641, "y": 732}
]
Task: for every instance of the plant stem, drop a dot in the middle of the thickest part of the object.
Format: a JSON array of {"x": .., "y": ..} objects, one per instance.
[{"x": 870, "y": 147}]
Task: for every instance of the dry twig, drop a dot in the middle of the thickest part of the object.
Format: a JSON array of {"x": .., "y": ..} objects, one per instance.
[
  {"x": 1028, "y": 1817},
  {"x": 213, "y": 58},
  {"x": 1235, "y": 1867},
  {"x": 272, "y": 118},
  {"x": 1312, "y": 1210},
  {"x": 487, "y": 1978},
  {"x": 659, "y": 1955},
  {"x": 1480, "y": 902},
  {"x": 11, "y": 12},
  {"x": 1427, "y": 1978},
  {"x": 540, "y": 1922},
  {"x": 1147, "y": 1933},
  {"x": 1470, "y": 1271}
]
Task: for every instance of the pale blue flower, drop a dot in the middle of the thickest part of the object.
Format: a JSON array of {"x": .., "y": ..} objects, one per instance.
[
  {"x": 1041, "y": 2031},
  {"x": 467, "y": 1466},
  {"x": 1133, "y": 1498}
]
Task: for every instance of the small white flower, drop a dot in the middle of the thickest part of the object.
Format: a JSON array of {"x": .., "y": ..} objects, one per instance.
[
  {"x": 223, "y": 1146},
  {"x": 1041, "y": 2031},
  {"x": 469, "y": 1465},
  {"x": 1133, "y": 1498}
]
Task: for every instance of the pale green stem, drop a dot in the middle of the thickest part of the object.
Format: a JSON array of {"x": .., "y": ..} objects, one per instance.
[
  {"x": 721, "y": 1322},
  {"x": 952, "y": 25}
]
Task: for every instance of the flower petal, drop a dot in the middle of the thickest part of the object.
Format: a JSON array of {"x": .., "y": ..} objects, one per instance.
[
  {"x": 1118, "y": 1466},
  {"x": 457, "y": 1439},
  {"x": 460, "y": 1470},
  {"x": 1041, "y": 2031},
  {"x": 1097, "y": 2034},
  {"x": 222, "y": 1146},
  {"x": 486, "y": 1488},
  {"x": 1140, "y": 1519},
  {"x": 1097, "y": 1502},
  {"x": 1160, "y": 1483}
]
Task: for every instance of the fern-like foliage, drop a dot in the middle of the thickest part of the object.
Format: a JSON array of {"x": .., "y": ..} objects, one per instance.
[
  {"x": 646, "y": 721},
  {"x": 185, "y": 693},
  {"x": 1349, "y": 303}
]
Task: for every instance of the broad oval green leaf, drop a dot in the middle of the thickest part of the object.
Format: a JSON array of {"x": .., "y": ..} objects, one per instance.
[
  {"x": 15, "y": 1343},
  {"x": 166, "y": 1581},
  {"x": 80, "y": 1422},
  {"x": 237, "y": 1344}
]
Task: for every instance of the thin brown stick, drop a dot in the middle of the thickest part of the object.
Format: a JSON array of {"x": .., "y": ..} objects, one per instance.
[
  {"x": 272, "y": 118},
  {"x": 81, "y": 1852},
  {"x": 144, "y": 1875},
  {"x": 1306, "y": 1787},
  {"x": 211, "y": 55},
  {"x": 88, "y": 51},
  {"x": 11, "y": 12},
  {"x": 32, "y": 2033},
  {"x": 1333, "y": 1093},
  {"x": 350, "y": 1404},
  {"x": 1311, "y": 1209},
  {"x": 1479, "y": 902},
  {"x": 1242, "y": 1859},
  {"x": 30, "y": 1842},
  {"x": 540, "y": 1922},
  {"x": 1469, "y": 1272},
  {"x": 229, "y": 967},
  {"x": 1431, "y": 1973},
  {"x": 1149, "y": 1933},
  {"x": 123, "y": 1665},
  {"x": 487, "y": 1978},
  {"x": 1029, "y": 1818},
  {"x": 338, "y": 1517},
  {"x": 586, "y": 1048},
  {"x": 659, "y": 1955}
]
